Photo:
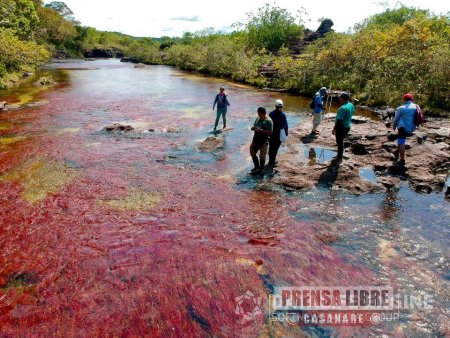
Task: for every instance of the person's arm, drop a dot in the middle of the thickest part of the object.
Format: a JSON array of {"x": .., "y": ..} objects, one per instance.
[
  {"x": 339, "y": 121},
  {"x": 396, "y": 118},
  {"x": 286, "y": 126},
  {"x": 254, "y": 125},
  {"x": 226, "y": 101},
  {"x": 264, "y": 131},
  {"x": 319, "y": 102},
  {"x": 215, "y": 101}
]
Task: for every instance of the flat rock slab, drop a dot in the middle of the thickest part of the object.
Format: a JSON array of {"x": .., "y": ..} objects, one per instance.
[
  {"x": 210, "y": 143},
  {"x": 118, "y": 127},
  {"x": 368, "y": 145}
]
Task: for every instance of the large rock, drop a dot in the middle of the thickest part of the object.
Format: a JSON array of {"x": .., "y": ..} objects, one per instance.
[
  {"x": 118, "y": 127},
  {"x": 44, "y": 81},
  {"x": 103, "y": 53},
  {"x": 211, "y": 143},
  {"x": 427, "y": 157}
]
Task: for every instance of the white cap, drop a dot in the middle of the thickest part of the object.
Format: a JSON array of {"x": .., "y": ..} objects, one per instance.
[{"x": 279, "y": 103}]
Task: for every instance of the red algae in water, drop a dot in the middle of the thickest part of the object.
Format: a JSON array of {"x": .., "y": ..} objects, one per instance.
[{"x": 132, "y": 245}]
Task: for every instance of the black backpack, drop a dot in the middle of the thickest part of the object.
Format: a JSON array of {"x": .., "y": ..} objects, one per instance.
[{"x": 312, "y": 105}]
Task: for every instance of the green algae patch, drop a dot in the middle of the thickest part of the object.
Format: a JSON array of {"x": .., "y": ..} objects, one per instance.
[
  {"x": 10, "y": 140},
  {"x": 194, "y": 113},
  {"x": 5, "y": 125},
  {"x": 40, "y": 177},
  {"x": 135, "y": 200}
]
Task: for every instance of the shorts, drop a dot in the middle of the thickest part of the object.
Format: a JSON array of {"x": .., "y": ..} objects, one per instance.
[
  {"x": 317, "y": 119},
  {"x": 401, "y": 139}
]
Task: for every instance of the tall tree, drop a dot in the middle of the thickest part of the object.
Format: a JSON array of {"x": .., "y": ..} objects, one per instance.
[
  {"x": 20, "y": 16},
  {"x": 61, "y": 8}
]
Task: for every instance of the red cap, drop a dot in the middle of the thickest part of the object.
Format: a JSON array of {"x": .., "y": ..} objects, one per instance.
[{"x": 408, "y": 97}]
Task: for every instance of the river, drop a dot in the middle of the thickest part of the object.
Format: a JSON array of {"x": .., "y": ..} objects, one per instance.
[{"x": 107, "y": 234}]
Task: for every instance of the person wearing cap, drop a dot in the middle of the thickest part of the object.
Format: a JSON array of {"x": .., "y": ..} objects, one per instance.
[
  {"x": 222, "y": 103},
  {"x": 404, "y": 122},
  {"x": 263, "y": 128},
  {"x": 318, "y": 108},
  {"x": 343, "y": 123},
  {"x": 279, "y": 123}
]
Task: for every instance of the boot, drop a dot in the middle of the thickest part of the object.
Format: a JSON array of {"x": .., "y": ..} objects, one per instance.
[
  {"x": 256, "y": 163},
  {"x": 261, "y": 164}
]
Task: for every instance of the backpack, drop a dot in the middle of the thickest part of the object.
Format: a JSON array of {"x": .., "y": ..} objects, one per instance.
[
  {"x": 419, "y": 118},
  {"x": 312, "y": 105}
]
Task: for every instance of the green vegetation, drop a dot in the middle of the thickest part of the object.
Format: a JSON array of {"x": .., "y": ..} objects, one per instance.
[
  {"x": 271, "y": 27},
  {"x": 399, "y": 50},
  {"x": 31, "y": 32},
  {"x": 388, "y": 54}
]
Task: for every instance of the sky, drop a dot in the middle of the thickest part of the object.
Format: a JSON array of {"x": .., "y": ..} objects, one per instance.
[{"x": 156, "y": 18}]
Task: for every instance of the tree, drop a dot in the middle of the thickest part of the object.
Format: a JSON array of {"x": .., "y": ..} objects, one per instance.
[
  {"x": 271, "y": 28},
  {"x": 19, "y": 15},
  {"x": 54, "y": 28},
  {"x": 390, "y": 17},
  {"x": 61, "y": 8},
  {"x": 16, "y": 53}
]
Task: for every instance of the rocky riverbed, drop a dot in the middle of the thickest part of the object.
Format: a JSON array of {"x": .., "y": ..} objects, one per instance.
[{"x": 368, "y": 165}]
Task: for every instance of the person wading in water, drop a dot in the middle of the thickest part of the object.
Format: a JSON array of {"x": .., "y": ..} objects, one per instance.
[
  {"x": 279, "y": 123},
  {"x": 263, "y": 128},
  {"x": 222, "y": 103}
]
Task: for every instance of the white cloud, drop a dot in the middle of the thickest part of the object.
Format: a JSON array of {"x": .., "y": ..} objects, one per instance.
[{"x": 152, "y": 18}]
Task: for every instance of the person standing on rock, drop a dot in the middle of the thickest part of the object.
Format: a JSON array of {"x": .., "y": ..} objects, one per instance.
[
  {"x": 318, "y": 108},
  {"x": 263, "y": 128},
  {"x": 404, "y": 121},
  {"x": 280, "y": 124},
  {"x": 343, "y": 123},
  {"x": 222, "y": 103}
]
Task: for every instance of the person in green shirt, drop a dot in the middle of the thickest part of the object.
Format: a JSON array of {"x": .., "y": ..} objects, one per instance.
[
  {"x": 263, "y": 128},
  {"x": 343, "y": 122}
]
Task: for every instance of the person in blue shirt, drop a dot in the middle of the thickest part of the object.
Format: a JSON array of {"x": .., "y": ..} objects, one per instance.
[
  {"x": 318, "y": 108},
  {"x": 279, "y": 123},
  {"x": 222, "y": 103},
  {"x": 343, "y": 123},
  {"x": 404, "y": 121}
]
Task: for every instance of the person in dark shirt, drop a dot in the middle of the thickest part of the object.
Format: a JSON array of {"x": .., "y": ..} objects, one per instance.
[
  {"x": 222, "y": 103},
  {"x": 280, "y": 124},
  {"x": 263, "y": 128}
]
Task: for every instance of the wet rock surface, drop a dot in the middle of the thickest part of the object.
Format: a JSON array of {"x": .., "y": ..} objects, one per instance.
[
  {"x": 4, "y": 106},
  {"x": 44, "y": 81},
  {"x": 368, "y": 144},
  {"x": 118, "y": 127},
  {"x": 211, "y": 143}
]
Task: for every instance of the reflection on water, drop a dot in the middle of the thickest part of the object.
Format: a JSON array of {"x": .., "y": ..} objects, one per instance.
[
  {"x": 368, "y": 174},
  {"x": 145, "y": 223},
  {"x": 319, "y": 155}
]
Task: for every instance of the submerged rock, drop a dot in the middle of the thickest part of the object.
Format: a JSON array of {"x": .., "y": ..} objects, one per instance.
[
  {"x": 44, "y": 81},
  {"x": 211, "y": 143},
  {"x": 172, "y": 130},
  {"x": 118, "y": 127}
]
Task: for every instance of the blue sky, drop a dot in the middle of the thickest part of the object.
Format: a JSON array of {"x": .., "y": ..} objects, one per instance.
[{"x": 173, "y": 17}]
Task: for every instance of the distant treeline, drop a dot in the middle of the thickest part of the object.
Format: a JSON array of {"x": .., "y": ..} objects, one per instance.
[{"x": 399, "y": 50}]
